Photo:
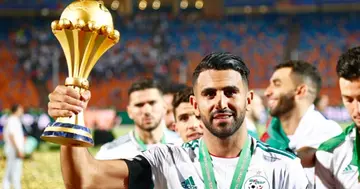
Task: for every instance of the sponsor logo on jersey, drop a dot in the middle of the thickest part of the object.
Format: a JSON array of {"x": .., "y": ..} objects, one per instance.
[
  {"x": 348, "y": 169},
  {"x": 189, "y": 183}
]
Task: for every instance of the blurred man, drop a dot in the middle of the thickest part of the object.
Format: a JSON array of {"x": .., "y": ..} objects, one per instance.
[
  {"x": 253, "y": 115},
  {"x": 147, "y": 108},
  {"x": 225, "y": 157},
  {"x": 321, "y": 103},
  {"x": 296, "y": 126},
  {"x": 337, "y": 164},
  {"x": 14, "y": 148},
  {"x": 187, "y": 124},
  {"x": 170, "y": 89}
]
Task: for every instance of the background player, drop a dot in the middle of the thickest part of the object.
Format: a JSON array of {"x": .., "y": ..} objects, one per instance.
[
  {"x": 14, "y": 148},
  {"x": 187, "y": 124},
  {"x": 147, "y": 108},
  {"x": 337, "y": 164},
  {"x": 296, "y": 125}
]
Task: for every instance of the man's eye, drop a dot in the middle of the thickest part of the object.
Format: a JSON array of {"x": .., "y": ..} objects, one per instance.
[
  {"x": 210, "y": 94},
  {"x": 184, "y": 118}
]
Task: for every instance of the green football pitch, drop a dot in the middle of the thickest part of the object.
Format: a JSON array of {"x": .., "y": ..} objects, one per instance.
[{"x": 42, "y": 171}]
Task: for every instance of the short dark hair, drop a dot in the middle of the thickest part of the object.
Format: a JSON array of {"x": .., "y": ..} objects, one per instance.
[
  {"x": 305, "y": 71},
  {"x": 222, "y": 61},
  {"x": 14, "y": 108},
  {"x": 182, "y": 96},
  {"x": 143, "y": 84},
  {"x": 348, "y": 65}
]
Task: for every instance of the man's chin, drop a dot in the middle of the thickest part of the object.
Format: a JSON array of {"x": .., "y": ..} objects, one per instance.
[
  {"x": 148, "y": 127},
  {"x": 274, "y": 113},
  {"x": 194, "y": 136},
  {"x": 357, "y": 123}
]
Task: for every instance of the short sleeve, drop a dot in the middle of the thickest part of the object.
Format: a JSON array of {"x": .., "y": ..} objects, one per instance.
[
  {"x": 323, "y": 175},
  {"x": 160, "y": 160},
  {"x": 140, "y": 176},
  {"x": 13, "y": 126}
]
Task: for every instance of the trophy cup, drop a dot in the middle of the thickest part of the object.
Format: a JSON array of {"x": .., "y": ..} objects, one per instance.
[{"x": 85, "y": 32}]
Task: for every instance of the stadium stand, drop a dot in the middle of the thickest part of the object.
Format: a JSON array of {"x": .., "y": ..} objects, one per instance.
[{"x": 28, "y": 50}]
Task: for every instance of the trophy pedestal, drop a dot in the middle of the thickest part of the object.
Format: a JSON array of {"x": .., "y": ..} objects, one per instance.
[{"x": 68, "y": 134}]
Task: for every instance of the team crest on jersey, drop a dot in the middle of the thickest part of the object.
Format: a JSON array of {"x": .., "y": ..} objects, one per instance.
[{"x": 257, "y": 182}]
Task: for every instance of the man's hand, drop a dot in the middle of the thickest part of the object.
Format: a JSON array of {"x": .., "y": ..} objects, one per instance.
[
  {"x": 66, "y": 101},
  {"x": 20, "y": 155},
  {"x": 307, "y": 156}
]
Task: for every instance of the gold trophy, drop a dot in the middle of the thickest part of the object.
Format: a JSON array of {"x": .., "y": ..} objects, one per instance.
[{"x": 85, "y": 31}]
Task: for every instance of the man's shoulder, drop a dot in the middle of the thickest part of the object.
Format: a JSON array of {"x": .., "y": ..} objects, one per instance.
[
  {"x": 122, "y": 147},
  {"x": 172, "y": 137},
  {"x": 12, "y": 119},
  {"x": 322, "y": 124},
  {"x": 280, "y": 162},
  {"x": 335, "y": 142},
  {"x": 121, "y": 141},
  {"x": 271, "y": 154}
]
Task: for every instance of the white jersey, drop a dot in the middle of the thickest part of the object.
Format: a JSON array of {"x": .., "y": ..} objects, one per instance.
[
  {"x": 313, "y": 130},
  {"x": 13, "y": 127},
  {"x": 178, "y": 167},
  {"x": 335, "y": 165},
  {"x": 127, "y": 147}
]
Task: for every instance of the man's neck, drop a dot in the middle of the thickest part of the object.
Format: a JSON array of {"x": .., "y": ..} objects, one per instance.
[
  {"x": 290, "y": 121},
  {"x": 15, "y": 115},
  {"x": 150, "y": 137},
  {"x": 226, "y": 148}
]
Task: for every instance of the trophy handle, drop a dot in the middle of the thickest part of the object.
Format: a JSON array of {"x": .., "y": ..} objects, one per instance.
[{"x": 69, "y": 131}]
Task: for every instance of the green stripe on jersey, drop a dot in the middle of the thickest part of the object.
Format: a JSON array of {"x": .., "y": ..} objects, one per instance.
[
  {"x": 268, "y": 148},
  {"x": 191, "y": 144},
  {"x": 331, "y": 144}
]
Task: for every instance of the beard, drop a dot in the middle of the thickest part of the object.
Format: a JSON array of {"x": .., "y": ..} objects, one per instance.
[
  {"x": 285, "y": 104},
  {"x": 149, "y": 128},
  {"x": 224, "y": 129}
]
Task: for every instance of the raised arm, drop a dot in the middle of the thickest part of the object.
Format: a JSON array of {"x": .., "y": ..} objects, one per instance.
[{"x": 79, "y": 169}]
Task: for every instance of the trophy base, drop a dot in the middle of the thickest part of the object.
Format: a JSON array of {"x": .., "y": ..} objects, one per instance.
[{"x": 68, "y": 135}]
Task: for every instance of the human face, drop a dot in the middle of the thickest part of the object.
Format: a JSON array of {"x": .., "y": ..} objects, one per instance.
[
  {"x": 187, "y": 124},
  {"x": 169, "y": 116},
  {"x": 147, "y": 108},
  {"x": 281, "y": 92},
  {"x": 221, "y": 97},
  {"x": 350, "y": 92}
]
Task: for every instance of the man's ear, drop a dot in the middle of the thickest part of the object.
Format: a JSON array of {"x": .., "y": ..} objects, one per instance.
[
  {"x": 175, "y": 127},
  {"x": 249, "y": 98},
  {"x": 195, "y": 105},
  {"x": 129, "y": 111},
  {"x": 301, "y": 90}
]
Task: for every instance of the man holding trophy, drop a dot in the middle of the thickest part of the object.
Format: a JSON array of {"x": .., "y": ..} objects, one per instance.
[{"x": 226, "y": 156}]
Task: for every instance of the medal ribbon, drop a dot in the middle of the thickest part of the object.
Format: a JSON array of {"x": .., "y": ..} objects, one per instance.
[{"x": 240, "y": 171}]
